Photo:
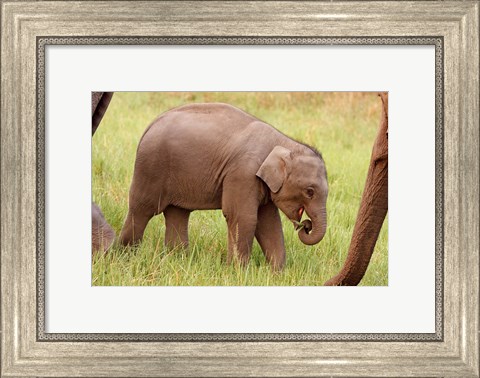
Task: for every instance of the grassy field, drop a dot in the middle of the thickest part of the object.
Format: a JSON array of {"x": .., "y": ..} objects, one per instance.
[{"x": 341, "y": 125}]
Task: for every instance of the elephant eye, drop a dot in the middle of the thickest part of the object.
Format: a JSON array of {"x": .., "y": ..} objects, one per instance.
[{"x": 309, "y": 192}]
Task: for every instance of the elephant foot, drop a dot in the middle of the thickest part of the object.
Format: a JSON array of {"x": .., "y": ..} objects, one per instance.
[
  {"x": 134, "y": 227},
  {"x": 174, "y": 244},
  {"x": 342, "y": 281},
  {"x": 238, "y": 259},
  {"x": 334, "y": 282}
]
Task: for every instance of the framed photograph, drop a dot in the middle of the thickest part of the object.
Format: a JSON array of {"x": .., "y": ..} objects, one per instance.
[
  {"x": 203, "y": 188},
  {"x": 195, "y": 247}
]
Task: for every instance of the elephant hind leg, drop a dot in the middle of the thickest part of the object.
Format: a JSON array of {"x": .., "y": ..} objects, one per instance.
[
  {"x": 176, "y": 227},
  {"x": 134, "y": 226},
  {"x": 139, "y": 214}
]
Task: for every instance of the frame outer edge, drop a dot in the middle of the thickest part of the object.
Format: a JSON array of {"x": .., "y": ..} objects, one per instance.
[
  {"x": 12, "y": 185},
  {"x": 10, "y": 156},
  {"x": 452, "y": 271},
  {"x": 27, "y": 115},
  {"x": 469, "y": 180}
]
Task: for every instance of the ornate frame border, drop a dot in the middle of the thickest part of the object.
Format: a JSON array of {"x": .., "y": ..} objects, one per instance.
[
  {"x": 43, "y": 42},
  {"x": 22, "y": 23}
]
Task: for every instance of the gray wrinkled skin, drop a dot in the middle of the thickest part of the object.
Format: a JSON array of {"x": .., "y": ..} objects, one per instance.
[{"x": 215, "y": 156}]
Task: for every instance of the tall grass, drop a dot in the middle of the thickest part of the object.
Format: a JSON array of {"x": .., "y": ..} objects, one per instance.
[{"x": 341, "y": 125}]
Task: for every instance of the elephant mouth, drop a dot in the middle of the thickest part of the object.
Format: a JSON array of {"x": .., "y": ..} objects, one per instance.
[
  {"x": 307, "y": 224},
  {"x": 297, "y": 214},
  {"x": 300, "y": 212}
]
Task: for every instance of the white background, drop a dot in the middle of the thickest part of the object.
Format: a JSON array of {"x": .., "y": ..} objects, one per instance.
[{"x": 406, "y": 305}]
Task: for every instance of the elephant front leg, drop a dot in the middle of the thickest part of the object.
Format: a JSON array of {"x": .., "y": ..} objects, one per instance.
[
  {"x": 269, "y": 234},
  {"x": 176, "y": 227},
  {"x": 240, "y": 238},
  {"x": 241, "y": 216}
]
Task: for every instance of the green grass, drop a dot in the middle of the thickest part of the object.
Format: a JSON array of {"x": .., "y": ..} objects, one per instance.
[{"x": 341, "y": 125}]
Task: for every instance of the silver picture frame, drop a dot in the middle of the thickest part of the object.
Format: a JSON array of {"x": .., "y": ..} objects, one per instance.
[{"x": 451, "y": 26}]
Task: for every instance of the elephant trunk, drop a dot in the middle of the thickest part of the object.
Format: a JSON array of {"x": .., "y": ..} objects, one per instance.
[{"x": 314, "y": 230}]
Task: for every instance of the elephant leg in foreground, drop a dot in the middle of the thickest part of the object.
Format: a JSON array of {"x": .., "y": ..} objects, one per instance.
[
  {"x": 240, "y": 211},
  {"x": 373, "y": 210},
  {"x": 269, "y": 235},
  {"x": 176, "y": 226},
  {"x": 134, "y": 226}
]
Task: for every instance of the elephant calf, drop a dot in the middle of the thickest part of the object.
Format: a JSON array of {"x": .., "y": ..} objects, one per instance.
[{"x": 216, "y": 156}]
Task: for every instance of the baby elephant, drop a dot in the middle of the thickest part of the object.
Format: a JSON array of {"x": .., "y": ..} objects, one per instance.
[{"x": 216, "y": 156}]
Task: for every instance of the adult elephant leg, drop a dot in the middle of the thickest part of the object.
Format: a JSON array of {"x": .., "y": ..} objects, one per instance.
[
  {"x": 269, "y": 234},
  {"x": 176, "y": 226},
  {"x": 100, "y": 102},
  {"x": 373, "y": 209}
]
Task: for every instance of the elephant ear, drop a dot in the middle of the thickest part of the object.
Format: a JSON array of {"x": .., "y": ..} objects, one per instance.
[{"x": 274, "y": 169}]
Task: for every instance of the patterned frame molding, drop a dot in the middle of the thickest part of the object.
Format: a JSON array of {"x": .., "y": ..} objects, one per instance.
[{"x": 43, "y": 42}]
